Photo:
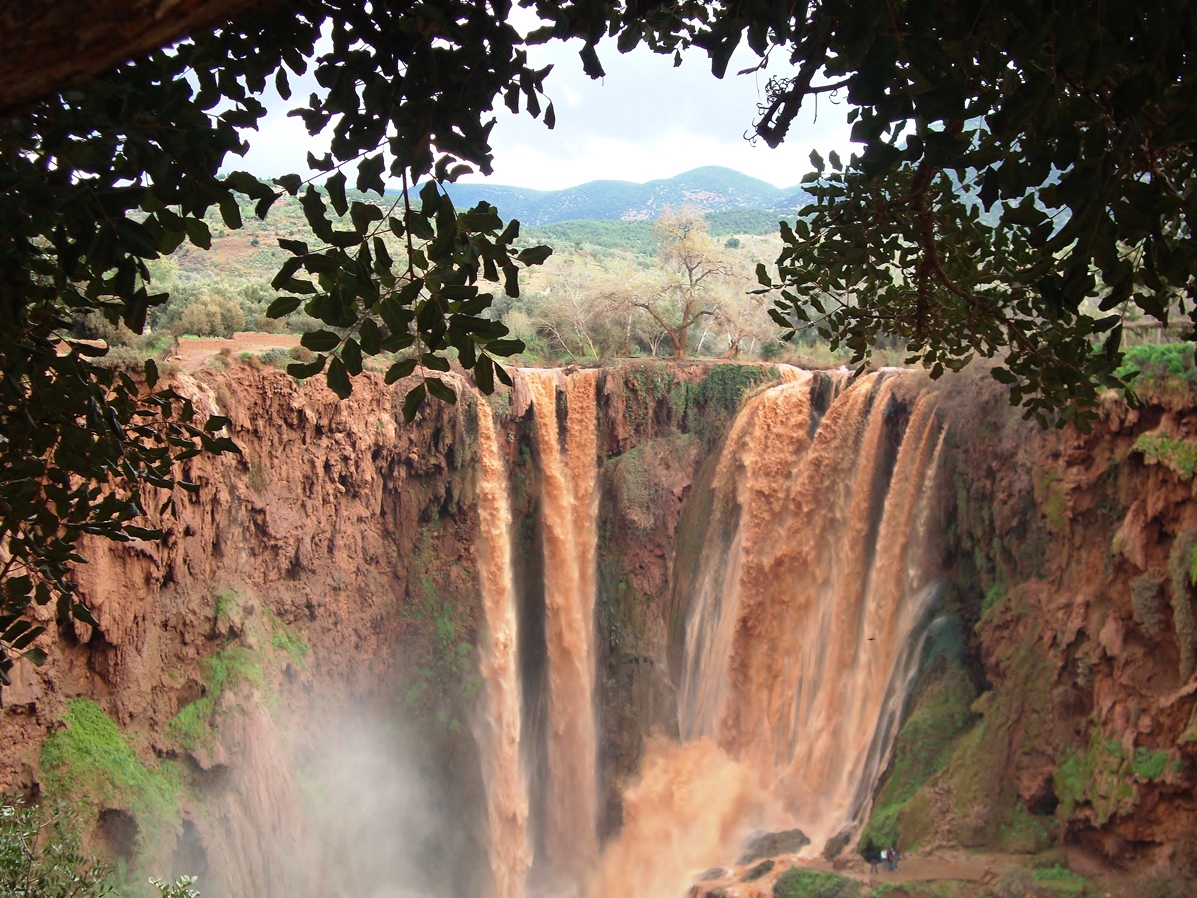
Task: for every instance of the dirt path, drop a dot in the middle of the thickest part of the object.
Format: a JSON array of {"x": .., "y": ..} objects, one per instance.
[
  {"x": 945, "y": 864},
  {"x": 193, "y": 354},
  {"x": 941, "y": 865}
]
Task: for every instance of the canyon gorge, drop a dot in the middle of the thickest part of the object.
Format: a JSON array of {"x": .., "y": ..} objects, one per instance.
[{"x": 596, "y": 633}]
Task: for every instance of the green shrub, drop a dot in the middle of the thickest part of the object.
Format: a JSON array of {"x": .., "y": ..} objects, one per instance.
[
  {"x": 1149, "y": 765},
  {"x": 41, "y": 855},
  {"x": 181, "y": 888},
  {"x": 1159, "y": 362},
  {"x": 1060, "y": 881},
  {"x": 1025, "y": 833},
  {"x": 279, "y": 358},
  {"x": 798, "y": 883}
]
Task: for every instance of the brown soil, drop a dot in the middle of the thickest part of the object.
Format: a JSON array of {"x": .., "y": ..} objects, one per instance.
[
  {"x": 195, "y": 354},
  {"x": 942, "y": 865}
]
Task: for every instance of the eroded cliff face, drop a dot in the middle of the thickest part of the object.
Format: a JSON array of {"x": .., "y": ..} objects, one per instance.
[
  {"x": 1071, "y": 568},
  {"x": 321, "y": 571},
  {"x": 305, "y": 638}
]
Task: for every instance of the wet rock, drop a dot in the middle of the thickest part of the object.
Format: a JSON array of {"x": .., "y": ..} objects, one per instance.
[
  {"x": 757, "y": 872},
  {"x": 765, "y": 844},
  {"x": 837, "y": 844}
]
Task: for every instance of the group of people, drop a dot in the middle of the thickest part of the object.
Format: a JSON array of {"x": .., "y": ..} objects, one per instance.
[{"x": 887, "y": 856}]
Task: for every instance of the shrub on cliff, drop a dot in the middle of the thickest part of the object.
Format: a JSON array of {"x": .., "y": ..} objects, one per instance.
[
  {"x": 1158, "y": 364},
  {"x": 798, "y": 883},
  {"x": 91, "y": 763}
]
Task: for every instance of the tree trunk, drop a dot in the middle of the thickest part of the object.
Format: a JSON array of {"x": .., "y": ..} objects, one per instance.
[
  {"x": 47, "y": 46},
  {"x": 679, "y": 342}
]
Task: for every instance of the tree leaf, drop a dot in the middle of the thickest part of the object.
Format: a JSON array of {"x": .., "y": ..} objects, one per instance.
[
  {"x": 534, "y": 255},
  {"x": 283, "y": 306},
  {"x": 338, "y": 378},
  {"x": 320, "y": 341},
  {"x": 441, "y": 390},
  {"x": 400, "y": 370},
  {"x": 411, "y": 405},
  {"x": 335, "y": 187}
]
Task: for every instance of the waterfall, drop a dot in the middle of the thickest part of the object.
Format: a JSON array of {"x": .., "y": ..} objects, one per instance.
[
  {"x": 801, "y": 640},
  {"x": 569, "y": 516},
  {"x": 808, "y": 599},
  {"x": 506, "y": 791}
]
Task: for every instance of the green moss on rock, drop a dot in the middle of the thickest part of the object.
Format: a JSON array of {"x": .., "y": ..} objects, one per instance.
[
  {"x": 1177, "y": 455},
  {"x": 195, "y": 724},
  {"x": 1183, "y": 622},
  {"x": 1103, "y": 776},
  {"x": 980, "y": 797},
  {"x": 91, "y": 763},
  {"x": 922, "y": 747}
]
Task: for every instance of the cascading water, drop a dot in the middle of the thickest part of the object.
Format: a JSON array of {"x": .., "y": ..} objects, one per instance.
[
  {"x": 569, "y": 515},
  {"x": 506, "y": 790},
  {"x": 803, "y": 632},
  {"x": 802, "y": 615},
  {"x": 801, "y": 640}
]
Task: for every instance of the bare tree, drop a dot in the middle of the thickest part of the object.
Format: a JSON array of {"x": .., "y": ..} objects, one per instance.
[{"x": 695, "y": 264}]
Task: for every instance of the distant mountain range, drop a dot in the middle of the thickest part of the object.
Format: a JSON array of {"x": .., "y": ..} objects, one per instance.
[{"x": 711, "y": 189}]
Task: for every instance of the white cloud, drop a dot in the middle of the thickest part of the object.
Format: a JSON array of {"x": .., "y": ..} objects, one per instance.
[
  {"x": 647, "y": 119},
  {"x": 644, "y": 120}
]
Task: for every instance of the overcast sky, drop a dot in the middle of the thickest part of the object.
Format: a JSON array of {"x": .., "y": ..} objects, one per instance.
[{"x": 644, "y": 120}]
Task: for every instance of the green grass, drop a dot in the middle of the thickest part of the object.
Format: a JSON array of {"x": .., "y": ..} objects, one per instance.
[
  {"x": 1159, "y": 362},
  {"x": 92, "y": 763},
  {"x": 944, "y": 888},
  {"x": 797, "y": 883},
  {"x": 1060, "y": 881}
]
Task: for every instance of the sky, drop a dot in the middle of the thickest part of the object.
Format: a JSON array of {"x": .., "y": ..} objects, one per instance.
[{"x": 644, "y": 120}]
